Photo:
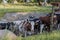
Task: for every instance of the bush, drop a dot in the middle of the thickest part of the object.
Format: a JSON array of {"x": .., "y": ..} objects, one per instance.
[
  {"x": 10, "y": 1},
  {"x": 0, "y": 1}
]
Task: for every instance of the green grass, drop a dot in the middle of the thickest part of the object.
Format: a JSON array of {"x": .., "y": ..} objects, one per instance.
[
  {"x": 45, "y": 36},
  {"x": 55, "y": 35},
  {"x": 25, "y": 9},
  {"x": 21, "y": 8}
]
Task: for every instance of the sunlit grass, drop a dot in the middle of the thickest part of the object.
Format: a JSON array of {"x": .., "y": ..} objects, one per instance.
[
  {"x": 26, "y": 8},
  {"x": 21, "y": 8}
]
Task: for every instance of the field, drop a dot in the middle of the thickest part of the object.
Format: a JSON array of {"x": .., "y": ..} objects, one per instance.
[
  {"x": 21, "y": 8},
  {"x": 45, "y": 36},
  {"x": 55, "y": 35}
]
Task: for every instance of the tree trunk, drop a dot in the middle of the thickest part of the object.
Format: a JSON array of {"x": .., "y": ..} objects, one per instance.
[{"x": 39, "y": 3}]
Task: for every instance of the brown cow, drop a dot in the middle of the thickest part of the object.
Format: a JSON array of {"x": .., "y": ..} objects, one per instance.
[
  {"x": 55, "y": 3},
  {"x": 46, "y": 20}
]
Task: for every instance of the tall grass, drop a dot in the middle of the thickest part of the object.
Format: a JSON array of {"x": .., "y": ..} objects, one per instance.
[{"x": 55, "y": 35}]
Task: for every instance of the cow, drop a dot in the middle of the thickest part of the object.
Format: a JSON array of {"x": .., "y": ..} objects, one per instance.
[
  {"x": 26, "y": 28},
  {"x": 58, "y": 18},
  {"x": 37, "y": 27},
  {"x": 46, "y": 20},
  {"x": 55, "y": 3},
  {"x": 6, "y": 25},
  {"x": 9, "y": 26}
]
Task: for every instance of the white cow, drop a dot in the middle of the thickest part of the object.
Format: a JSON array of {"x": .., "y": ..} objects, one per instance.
[
  {"x": 17, "y": 27},
  {"x": 18, "y": 24}
]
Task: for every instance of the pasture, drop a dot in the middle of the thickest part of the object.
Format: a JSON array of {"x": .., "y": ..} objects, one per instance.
[
  {"x": 45, "y": 36},
  {"x": 21, "y": 8},
  {"x": 55, "y": 35}
]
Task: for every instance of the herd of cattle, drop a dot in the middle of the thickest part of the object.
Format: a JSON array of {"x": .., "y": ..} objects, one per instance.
[{"x": 34, "y": 26}]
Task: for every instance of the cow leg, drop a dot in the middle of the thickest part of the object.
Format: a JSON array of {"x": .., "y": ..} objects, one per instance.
[
  {"x": 32, "y": 27},
  {"x": 41, "y": 28},
  {"x": 29, "y": 33},
  {"x": 25, "y": 34},
  {"x": 58, "y": 26},
  {"x": 35, "y": 31},
  {"x": 48, "y": 29}
]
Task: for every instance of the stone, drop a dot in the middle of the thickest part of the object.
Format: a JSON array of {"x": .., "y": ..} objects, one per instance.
[{"x": 5, "y": 34}]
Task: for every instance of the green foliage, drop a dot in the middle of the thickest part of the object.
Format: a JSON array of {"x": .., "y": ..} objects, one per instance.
[
  {"x": 32, "y": 0},
  {"x": 19, "y": 0},
  {"x": 0, "y": 1},
  {"x": 10, "y": 1}
]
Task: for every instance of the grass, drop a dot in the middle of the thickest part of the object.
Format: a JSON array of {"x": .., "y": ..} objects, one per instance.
[
  {"x": 21, "y": 8},
  {"x": 25, "y": 9},
  {"x": 55, "y": 35},
  {"x": 45, "y": 36}
]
